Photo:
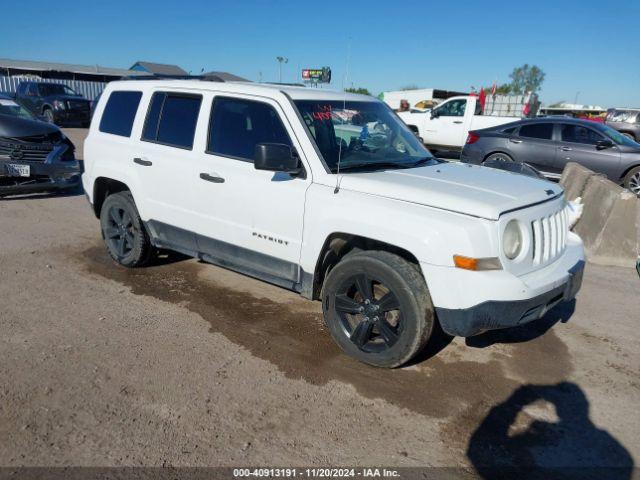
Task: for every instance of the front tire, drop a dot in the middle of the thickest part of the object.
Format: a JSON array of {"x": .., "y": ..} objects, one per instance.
[
  {"x": 632, "y": 180},
  {"x": 123, "y": 232},
  {"x": 378, "y": 308}
]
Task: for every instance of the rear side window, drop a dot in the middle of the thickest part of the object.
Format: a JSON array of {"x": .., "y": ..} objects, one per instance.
[
  {"x": 171, "y": 119},
  {"x": 119, "y": 113},
  {"x": 509, "y": 131},
  {"x": 537, "y": 130},
  {"x": 238, "y": 125}
]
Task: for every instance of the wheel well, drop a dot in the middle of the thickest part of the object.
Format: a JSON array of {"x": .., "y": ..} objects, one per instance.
[
  {"x": 624, "y": 174},
  {"x": 102, "y": 188},
  {"x": 337, "y": 245}
]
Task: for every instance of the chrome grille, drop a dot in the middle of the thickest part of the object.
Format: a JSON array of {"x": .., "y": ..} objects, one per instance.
[
  {"x": 24, "y": 152},
  {"x": 549, "y": 237}
]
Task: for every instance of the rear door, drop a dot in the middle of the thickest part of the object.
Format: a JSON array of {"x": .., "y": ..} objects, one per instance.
[
  {"x": 534, "y": 144},
  {"x": 164, "y": 162},
  {"x": 578, "y": 143}
]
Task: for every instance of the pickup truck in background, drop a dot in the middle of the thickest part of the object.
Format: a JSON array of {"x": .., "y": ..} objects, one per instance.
[
  {"x": 54, "y": 102},
  {"x": 446, "y": 126}
]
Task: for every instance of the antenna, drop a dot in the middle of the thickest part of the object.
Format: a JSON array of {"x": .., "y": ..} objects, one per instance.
[{"x": 344, "y": 106}]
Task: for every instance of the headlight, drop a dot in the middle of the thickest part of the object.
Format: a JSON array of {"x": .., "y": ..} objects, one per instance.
[
  {"x": 58, "y": 104},
  {"x": 512, "y": 240}
]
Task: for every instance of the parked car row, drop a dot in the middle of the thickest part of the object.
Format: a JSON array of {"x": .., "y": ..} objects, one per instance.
[{"x": 549, "y": 143}]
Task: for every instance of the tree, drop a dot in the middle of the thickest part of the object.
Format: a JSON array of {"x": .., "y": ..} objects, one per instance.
[
  {"x": 361, "y": 90},
  {"x": 527, "y": 78},
  {"x": 504, "y": 89}
]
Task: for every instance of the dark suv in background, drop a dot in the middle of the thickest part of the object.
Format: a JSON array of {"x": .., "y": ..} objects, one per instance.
[
  {"x": 549, "y": 143},
  {"x": 626, "y": 121},
  {"x": 56, "y": 102}
]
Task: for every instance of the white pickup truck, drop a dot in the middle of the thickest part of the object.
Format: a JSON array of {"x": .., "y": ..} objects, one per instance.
[
  {"x": 330, "y": 195},
  {"x": 446, "y": 126}
]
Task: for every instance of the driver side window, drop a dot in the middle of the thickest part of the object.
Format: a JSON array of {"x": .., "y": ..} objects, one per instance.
[{"x": 454, "y": 108}]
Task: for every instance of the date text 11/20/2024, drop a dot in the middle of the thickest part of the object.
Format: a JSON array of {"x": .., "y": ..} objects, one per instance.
[{"x": 316, "y": 472}]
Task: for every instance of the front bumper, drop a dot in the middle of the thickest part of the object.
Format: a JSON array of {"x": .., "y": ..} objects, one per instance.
[
  {"x": 468, "y": 302},
  {"x": 63, "y": 116},
  {"x": 45, "y": 176},
  {"x": 493, "y": 315}
]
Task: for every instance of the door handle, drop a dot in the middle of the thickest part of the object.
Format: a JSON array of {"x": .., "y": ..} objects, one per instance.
[
  {"x": 566, "y": 149},
  {"x": 141, "y": 161},
  {"x": 513, "y": 140},
  {"x": 211, "y": 178},
  {"x": 457, "y": 121}
]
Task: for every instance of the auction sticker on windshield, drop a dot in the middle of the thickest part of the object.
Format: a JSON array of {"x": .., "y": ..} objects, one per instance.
[{"x": 18, "y": 170}]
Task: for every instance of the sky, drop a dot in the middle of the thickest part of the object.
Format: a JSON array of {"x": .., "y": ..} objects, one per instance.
[{"x": 588, "y": 49}]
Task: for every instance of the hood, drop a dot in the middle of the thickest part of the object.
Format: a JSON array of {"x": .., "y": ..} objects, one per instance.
[
  {"x": 75, "y": 98},
  {"x": 11, "y": 126},
  {"x": 469, "y": 189}
]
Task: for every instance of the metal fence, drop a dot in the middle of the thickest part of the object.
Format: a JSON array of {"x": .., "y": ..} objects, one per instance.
[
  {"x": 87, "y": 89},
  {"x": 509, "y": 105}
]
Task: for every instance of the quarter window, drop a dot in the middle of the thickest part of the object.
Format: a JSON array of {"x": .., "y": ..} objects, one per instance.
[
  {"x": 238, "y": 125},
  {"x": 580, "y": 134},
  {"x": 119, "y": 113},
  {"x": 171, "y": 119},
  {"x": 542, "y": 131}
]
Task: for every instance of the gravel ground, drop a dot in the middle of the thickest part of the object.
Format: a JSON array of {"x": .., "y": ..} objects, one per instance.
[{"x": 185, "y": 364}]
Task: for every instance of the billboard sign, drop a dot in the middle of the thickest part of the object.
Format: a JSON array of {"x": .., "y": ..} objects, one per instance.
[{"x": 316, "y": 75}]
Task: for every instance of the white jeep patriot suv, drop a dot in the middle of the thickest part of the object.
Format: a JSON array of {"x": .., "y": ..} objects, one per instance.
[{"x": 330, "y": 195}]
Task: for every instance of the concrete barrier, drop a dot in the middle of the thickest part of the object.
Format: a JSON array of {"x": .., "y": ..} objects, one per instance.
[
  {"x": 610, "y": 221},
  {"x": 574, "y": 180}
]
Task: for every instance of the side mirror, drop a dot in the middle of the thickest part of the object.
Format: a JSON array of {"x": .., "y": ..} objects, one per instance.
[
  {"x": 602, "y": 144},
  {"x": 435, "y": 114},
  {"x": 277, "y": 157}
]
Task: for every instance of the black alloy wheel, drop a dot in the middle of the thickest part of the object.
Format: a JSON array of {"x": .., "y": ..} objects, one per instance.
[
  {"x": 369, "y": 313},
  {"x": 377, "y": 307}
]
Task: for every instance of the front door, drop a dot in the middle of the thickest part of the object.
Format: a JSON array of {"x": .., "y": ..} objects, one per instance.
[
  {"x": 446, "y": 127},
  {"x": 578, "y": 143},
  {"x": 248, "y": 218}
]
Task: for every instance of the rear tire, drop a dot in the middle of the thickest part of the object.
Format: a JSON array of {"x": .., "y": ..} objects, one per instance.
[
  {"x": 124, "y": 234},
  {"x": 632, "y": 180},
  {"x": 498, "y": 157},
  {"x": 378, "y": 308}
]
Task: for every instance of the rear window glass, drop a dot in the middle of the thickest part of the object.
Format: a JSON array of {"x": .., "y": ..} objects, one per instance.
[
  {"x": 172, "y": 119},
  {"x": 238, "y": 125},
  {"x": 537, "y": 130},
  {"x": 509, "y": 131},
  {"x": 119, "y": 113}
]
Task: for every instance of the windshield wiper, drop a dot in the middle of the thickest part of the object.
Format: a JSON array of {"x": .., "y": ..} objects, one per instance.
[{"x": 383, "y": 165}]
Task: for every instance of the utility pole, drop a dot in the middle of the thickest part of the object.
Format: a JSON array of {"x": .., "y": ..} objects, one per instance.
[
  {"x": 575, "y": 100},
  {"x": 281, "y": 60}
]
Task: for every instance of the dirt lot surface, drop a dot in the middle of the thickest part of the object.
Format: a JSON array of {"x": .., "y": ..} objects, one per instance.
[{"x": 185, "y": 363}]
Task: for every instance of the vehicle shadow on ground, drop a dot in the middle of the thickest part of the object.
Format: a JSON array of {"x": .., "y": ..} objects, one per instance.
[
  {"x": 75, "y": 192},
  {"x": 516, "y": 440},
  {"x": 524, "y": 333}
]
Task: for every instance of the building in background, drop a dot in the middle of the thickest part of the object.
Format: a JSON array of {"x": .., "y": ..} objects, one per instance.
[
  {"x": 158, "y": 69},
  {"x": 89, "y": 80}
]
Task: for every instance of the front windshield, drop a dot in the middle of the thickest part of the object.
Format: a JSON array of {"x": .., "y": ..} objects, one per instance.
[
  {"x": 47, "y": 89},
  {"x": 362, "y": 135},
  {"x": 616, "y": 136},
  {"x": 9, "y": 107}
]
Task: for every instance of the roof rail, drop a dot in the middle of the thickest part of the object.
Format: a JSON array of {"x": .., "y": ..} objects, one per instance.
[{"x": 170, "y": 77}]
